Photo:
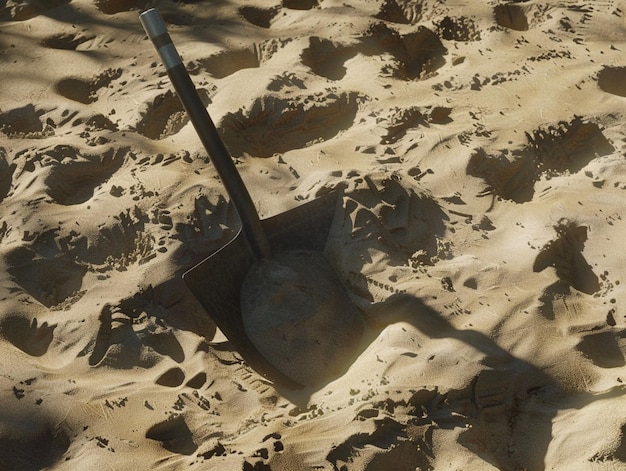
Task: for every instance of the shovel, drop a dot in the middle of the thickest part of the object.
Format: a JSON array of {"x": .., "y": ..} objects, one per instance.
[{"x": 217, "y": 281}]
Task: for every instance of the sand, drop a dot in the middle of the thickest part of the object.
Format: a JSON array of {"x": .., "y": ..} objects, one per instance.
[{"x": 480, "y": 146}]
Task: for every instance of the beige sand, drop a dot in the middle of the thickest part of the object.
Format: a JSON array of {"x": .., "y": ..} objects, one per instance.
[{"x": 481, "y": 232}]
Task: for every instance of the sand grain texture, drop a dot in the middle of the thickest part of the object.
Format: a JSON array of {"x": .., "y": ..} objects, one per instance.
[{"x": 481, "y": 149}]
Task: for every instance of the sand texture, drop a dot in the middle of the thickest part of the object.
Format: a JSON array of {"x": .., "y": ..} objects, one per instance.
[{"x": 480, "y": 148}]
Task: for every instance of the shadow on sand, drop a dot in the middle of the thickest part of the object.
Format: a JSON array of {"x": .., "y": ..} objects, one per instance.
[{"x": 508, "y": 408}]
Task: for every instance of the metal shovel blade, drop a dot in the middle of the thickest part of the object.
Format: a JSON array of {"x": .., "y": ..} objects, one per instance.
[{"x": 216, "y": 281}]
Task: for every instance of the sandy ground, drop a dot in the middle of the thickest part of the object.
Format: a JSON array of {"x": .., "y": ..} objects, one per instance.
[{"x": 480, "y": 151}]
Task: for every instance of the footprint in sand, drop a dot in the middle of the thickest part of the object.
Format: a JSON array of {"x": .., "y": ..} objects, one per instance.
[
  {"x": 392, "y": 11},
  {"x": 511, "y": 16},
  {"x": 399, "y": 121},
  {"x": 416, "y": 55},
  {"x": 25, "y": 122},
  {"x": 261, "y": 17},
  {"x": 27, "y": 335},
  {"x": 300, "y": 4},
  {"x": 99, "y": 122},
  {"x": 66, "y": 41},
  {"x": 164, "y": 116},
  {"x": 174, "y": 435},
  {"x": 411, "y": 56},
  {"x": 50, "y": 277},
  {"x": 171, "y": 378},
  {"x": 276, "y": 125},
  {"x": 518, "y": 17},
  {"x": 208, "y": 226},
  {"x": 459, "y": 28},
  {"x": 121, "y": 241},
  {"x": 197, "y": 381},
  {"x": 286, "y": 80},
  {"x": 563, "y": 148},
  {"x": 225, "y": 63},
  {"x": 391, "y": 445},
  {"x": 326, "y": 58},
  {"x": 604, "y": 349},
  {"x": 133, "y": 334},
  {"x": 568, "y": 146},
  {"x": 613, "y": 80},
  {"x": 405, "y": 222},
  {"x": 74, "y": 176},
  {"x": 116, "y": 345},
  {"x": 86, "y": 90}
]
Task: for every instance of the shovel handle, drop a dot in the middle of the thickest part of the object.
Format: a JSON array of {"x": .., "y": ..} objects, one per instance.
[{"x": 156, "y": 30}]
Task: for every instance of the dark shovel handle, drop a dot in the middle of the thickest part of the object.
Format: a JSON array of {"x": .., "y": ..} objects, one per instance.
[{"x": 155, "y": 27}]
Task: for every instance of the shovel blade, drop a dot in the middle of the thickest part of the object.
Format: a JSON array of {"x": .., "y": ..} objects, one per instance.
[{"x": 216, "y": 281}]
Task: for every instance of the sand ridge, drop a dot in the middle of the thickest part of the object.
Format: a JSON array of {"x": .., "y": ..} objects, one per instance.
[{"x": 481, "y": 148}]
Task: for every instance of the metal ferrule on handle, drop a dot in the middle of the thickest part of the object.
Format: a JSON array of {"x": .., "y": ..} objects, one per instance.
[
  {"x": 156, "y": 30},
  {"x": 251, "y": 225}
]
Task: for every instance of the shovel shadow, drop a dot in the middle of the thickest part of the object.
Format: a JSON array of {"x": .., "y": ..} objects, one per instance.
[{"x": 512, "y": 402}]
